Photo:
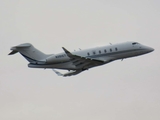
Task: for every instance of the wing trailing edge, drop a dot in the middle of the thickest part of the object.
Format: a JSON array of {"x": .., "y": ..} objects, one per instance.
[{"x": 70, "y": 73}]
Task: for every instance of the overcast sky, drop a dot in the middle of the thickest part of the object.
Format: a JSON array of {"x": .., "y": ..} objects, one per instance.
[{"x": 121, "y": 90}]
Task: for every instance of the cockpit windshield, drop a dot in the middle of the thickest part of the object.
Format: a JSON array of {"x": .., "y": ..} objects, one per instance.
[{"x": 135, "y": 43}]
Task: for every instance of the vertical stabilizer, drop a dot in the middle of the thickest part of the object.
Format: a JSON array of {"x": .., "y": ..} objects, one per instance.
[{"x": 28, "y": 51}]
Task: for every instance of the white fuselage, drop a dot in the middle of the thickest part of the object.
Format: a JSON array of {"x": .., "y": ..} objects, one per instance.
[{"x": 105, "y": 53}]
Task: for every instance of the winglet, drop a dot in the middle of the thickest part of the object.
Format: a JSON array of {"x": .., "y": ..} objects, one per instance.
[
  {"x": 58, "y": 73},
  {"x": 67, "y": 52},
  {"x": 70, "y": 73}
]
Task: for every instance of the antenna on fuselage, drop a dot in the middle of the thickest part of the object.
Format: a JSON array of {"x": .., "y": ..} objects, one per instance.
[{"x": 110, "y": 43}]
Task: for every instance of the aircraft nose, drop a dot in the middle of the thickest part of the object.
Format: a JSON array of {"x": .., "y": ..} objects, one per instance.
[{"x": 149, "y": 49}]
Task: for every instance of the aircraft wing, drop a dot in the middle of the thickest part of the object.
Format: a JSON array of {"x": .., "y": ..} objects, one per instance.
[
  {"x": 70, "y": 73},
  {"x": 82, "y": 62}
]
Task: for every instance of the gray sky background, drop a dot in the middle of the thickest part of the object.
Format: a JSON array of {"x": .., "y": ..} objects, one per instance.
[{"x": 127, "y": 90}]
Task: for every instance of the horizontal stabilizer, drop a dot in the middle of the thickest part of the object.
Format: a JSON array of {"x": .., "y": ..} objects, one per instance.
[
  {"x": 22, "y": 45},
  {"x": 13, "y": 52}
]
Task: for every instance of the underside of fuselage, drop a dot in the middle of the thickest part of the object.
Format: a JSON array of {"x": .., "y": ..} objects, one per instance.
[{"x": 64, "y": 66}]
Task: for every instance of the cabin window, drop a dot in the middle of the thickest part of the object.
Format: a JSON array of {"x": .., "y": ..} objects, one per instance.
[
  {"x": 110, "y": 50},
  {"x": 134, "y": 43},
  {"x": 99, "y": 52},
  {"x": 94, "y": 52},
  {"x": 105, "y": 50},
  {"x": 116, "y": 49},
  {"x": 88, "y": 54}
]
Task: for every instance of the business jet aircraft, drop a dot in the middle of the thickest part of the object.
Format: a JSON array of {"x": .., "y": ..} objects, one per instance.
[{"x": 79, "y": 61}]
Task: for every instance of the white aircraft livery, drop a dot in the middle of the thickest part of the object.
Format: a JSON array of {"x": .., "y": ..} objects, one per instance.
[{"x": 79, "y": 61}]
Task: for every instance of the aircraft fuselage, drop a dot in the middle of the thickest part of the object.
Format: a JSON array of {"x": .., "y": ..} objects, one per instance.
[{"x": 106, "y": 54}]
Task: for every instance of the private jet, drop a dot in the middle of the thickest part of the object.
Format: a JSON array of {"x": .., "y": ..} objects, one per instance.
[{"x": 79, "y": 61}]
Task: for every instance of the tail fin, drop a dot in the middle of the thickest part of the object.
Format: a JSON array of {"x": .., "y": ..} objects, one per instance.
[{"x": 28, "y": 51}]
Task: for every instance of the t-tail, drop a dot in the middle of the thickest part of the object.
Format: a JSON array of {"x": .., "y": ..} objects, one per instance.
[{"x": 29, "y": 52}]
